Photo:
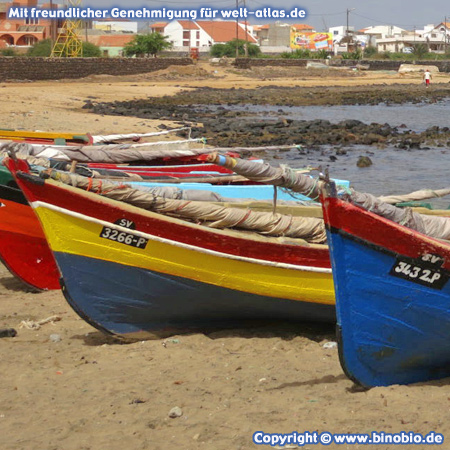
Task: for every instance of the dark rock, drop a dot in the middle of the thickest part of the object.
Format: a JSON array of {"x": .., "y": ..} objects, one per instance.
[
  {"x": 364, "y": 161},
  {"x": 7, "y": 332}
]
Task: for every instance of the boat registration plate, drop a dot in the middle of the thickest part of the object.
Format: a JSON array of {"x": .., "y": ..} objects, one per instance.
[
  {"x": 123, "y": 237},
  {"x": 425, "y": 271}
]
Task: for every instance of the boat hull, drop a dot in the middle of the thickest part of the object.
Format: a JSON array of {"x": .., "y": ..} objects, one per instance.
[
  {"x": 392, "y": 300},
  {"x": 169, "y": 285},
  {"x": 23, "y": 247},
  {"x": 159, "y": 273},
  {"x": 135, "y": 303}
]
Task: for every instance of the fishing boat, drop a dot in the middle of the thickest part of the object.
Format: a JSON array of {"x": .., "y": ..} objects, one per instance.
[
  {"x": 57, "y": 138},
  {"x": 190, "y": 166},
  {"x": 33, "y": 261},
  {"x": 42, "y": 137},
  {"x": 23, "y": 247},
  {"x": 392, "y": 295},
  {"x": 181, "y": 150},
  {"x": 135, "y": 273}
]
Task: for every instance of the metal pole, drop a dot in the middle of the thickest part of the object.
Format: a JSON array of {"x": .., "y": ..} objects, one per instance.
[
  {"x": 237, "y": 31},
  {"x": 52, "y": 25},
  {"x": 445, "y": 34},
  {"x": 246, "y": 37},
  {"x": 347, "y": 22}
]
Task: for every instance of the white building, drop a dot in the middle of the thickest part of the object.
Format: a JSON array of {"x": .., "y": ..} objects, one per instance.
[
  {"x": 374, "y": 34},
  {"x": 435, "y": 37},
  {"x": 347, "y": 39},
  {"x": 115, "y": 26},
  {"x": 340, "y": 32},
  {"x": 203, "y": 34}
]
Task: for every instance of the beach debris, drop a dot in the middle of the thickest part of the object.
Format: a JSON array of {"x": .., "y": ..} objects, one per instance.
[
  {"x": 175, "y": 412},
  {"x": 55, "y": 338},
  {"x": 7, "y": 332},
  {"x": 32, "y": 325},
  {"x": 329, "y": 345},
  {"x": 364, "y": 161},
  {"x": 405, "y": 68},
  {"x": 137, "y": 401},
  {"x": 170, "y": 341}
]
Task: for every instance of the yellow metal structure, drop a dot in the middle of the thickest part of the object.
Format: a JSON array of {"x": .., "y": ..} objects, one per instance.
[{"x": 68, "y": 44}]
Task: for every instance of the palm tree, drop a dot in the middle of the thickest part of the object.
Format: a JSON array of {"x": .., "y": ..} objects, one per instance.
[{"x": 420, "y": 50}]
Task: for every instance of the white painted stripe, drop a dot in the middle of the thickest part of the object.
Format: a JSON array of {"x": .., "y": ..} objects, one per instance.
[{"x": 104, "y": 223}]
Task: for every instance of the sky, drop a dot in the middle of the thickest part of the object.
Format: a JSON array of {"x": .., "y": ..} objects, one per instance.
[{"x": 321, "y": 14}]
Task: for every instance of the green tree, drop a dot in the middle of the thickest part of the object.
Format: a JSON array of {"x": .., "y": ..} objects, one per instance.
[
  {"x": 8, "y": 52},
  {"x": 420, "y": 51},
  {"x": 218, "y": 50},
  {"x": 386, "y": 55},
  {"x": 229, "y": 49},
  {"x": 44, "y": 49},
  {"x": 147, "y": 45},
  {"x": 299, "y": 53},
  {"x": 91, "y": 50},
  {"x": 370, "y": 51},
  {"x": 320, "y": 54}
]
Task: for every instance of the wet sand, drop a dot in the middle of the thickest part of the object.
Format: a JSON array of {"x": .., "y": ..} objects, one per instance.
[{"x": 87, "y": 391}]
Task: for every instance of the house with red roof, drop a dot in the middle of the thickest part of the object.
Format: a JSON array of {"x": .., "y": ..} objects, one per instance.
[
  {"x": 23, "y": 33},
  {"x": 303, "y": 27},
  {"x": 158, "y": 27},
  {"x": 111, "y": 45},
  {"x": 202, "y": 34}
]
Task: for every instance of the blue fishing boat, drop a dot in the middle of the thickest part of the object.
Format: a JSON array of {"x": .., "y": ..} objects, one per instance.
[{"x": 392, "y": 297}]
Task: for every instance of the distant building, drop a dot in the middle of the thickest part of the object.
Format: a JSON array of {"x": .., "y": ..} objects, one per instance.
[
  {"x": 261, "y": 33},
  {"x": 438, "y": 37},
  {"x": 435, "y": 37},
  {"x": 303, "y": 27},
  {"x": 24, "y": 32},
  {"x": 340, "y": 32},
  {"x": 279, "y": 34},
  {"x": 343, "y": 40},
  {"x": 203, "y": 34},
  {"x": 115, "y": 26},
  {"x": 376, "y": 33},
  {"x": 158, "y": 27},
  {"x": 111, "y": 45}
]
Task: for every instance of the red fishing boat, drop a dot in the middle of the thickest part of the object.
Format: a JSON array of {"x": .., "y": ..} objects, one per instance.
[{"x": 23, "y": 247}]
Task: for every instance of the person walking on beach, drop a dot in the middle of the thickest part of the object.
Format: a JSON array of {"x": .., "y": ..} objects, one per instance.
[{"x": 427, "y": 77}]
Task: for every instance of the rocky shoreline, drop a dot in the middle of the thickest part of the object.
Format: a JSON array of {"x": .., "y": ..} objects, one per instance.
[{"x": 214, "y": 112}]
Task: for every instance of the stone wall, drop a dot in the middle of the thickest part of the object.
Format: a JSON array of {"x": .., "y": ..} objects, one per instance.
[
  {"x": 246, "y": 63},
  {"x": 18, "y": 68}
]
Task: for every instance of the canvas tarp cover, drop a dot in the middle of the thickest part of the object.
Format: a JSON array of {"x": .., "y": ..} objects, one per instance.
[
  {"x": 433, "y": 226},
  {"x": 121, "y": 153},
  {"x": 215, "y": 216}
]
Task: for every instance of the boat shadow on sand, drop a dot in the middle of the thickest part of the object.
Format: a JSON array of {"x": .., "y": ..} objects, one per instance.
[
  {"x": 11, "y": 283},
  {"x": 286, "y": 331}
]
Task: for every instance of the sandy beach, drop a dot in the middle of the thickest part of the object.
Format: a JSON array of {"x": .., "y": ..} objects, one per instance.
[{"x": 66, "y": 386}]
